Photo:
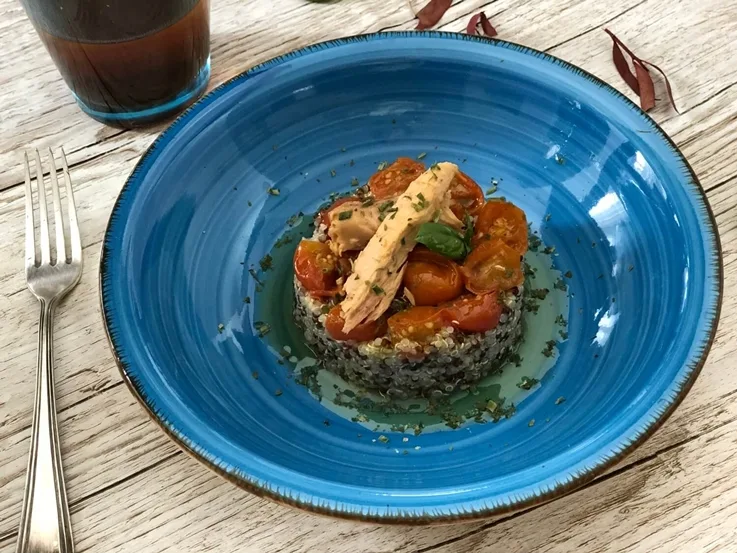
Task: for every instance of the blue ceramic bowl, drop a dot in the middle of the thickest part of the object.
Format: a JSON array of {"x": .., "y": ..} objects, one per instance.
[{"x": 628, "y": 219}]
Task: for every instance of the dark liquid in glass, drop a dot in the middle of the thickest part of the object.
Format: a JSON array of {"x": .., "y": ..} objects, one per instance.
[{"x": 128, "y": 62}]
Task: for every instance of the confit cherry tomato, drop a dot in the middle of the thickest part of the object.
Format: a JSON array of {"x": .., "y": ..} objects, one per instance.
[
  {"x": 504, "y": 221},
  {"x": 362, "y": 333},
  {"x": 315, "y": 266},
  {"x": 325, "y": 213},
  {"x": 492, "y": 265},
  {"x": 395, "y": 179},
  {"x": 474, "y": 313},
  {"x": 432, "y": 278},
  {"x": 417, "y": 324},
  {"x": 465, "y": 195}
]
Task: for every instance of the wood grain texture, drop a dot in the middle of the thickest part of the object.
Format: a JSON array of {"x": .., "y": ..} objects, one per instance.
[{"x": 133, "y": 490}]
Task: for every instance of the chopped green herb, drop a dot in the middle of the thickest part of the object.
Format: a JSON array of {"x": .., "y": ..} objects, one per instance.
[
  {"x": 266, "y": 262},
  {"x": 404, "y": 241},
  {"x": 247, "y": 299},
  {"x": 534, "y": 243},
  {"x": 549, "y": 249},
  {"x": 568, "y": 274},
  {"x": 630, "y": 268},
  {"x": 249, "y": 203},
  {"x": 423, "y": 155},
  {"x": 531, "y": 423},
  {"x": 253, "y": 273},
  {"x": 342, "y": 149},
  {"x": 332, "y": 172},
  {"x": 376, "y": 289},
  {"x": 367, "y": 203},
  {"x": 549, "y": 348},
  {"x": 563, "y": 334},
  {"x": 383, "y": 439},
  {"x": 559, "y": 159},
  {"x": 560, "y": 285},
  {"x": 527, "y": 383},
  {"x": 560, "y": 320},
  {"x": 385, "y": 205},
  {"x": 221, "y": 327},
  {"x": 351, "y": 163},
  {"x": 326, "y": 422},
  {"x": 383, "y": 165},
  {"x": 344, "y": 215},
  {"x": 493, "y": 189},
  {"x": 539, "y": 293},
  {"x": 284, "y": 240},
  {"x": 295, "y": 219},
  {"x": 547, "y": 217},
  {"x": 262, "y": 328},
  {"x": 354, "y": 181},
  {"x": 273, "y": 191},
  {"x": 254, "y": 374},
  {"x": 560, "y": 400},
  {"x": 278, "y": 392},
  {"x": 436, "y": 216}
]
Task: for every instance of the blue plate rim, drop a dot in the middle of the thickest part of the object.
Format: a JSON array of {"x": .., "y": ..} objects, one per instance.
[{"x": 574, "y": 481}]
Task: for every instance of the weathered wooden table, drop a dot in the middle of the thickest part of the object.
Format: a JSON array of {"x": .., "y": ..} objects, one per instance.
[{"x": 131, "y": 489}]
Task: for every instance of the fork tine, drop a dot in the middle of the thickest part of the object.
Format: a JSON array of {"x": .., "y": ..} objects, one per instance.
[
  {"x": 44, "y": 216},
  {"x": 72, "y": 209},
  {"x": 61, "y": 252},
  {"x": 30, "y": 225}
]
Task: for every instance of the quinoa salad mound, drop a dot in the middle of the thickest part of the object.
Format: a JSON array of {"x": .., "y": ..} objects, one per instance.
[{"x": 413, "y": 285}]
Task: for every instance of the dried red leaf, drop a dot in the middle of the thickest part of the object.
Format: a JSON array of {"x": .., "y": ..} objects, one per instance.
[
  {"x": 432, "y": 12},
  {"x": 667, "y": 83},
  {"x": 623, "y": 68},
  {"x": 487, "y": 27},
  {"x": 647, "y": 89},
  {"x": 641, "y": 82},
  {"x": 473, "y": 25}
]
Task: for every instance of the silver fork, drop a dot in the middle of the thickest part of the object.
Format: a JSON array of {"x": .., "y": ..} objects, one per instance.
[{"x": 44, "y": 523}]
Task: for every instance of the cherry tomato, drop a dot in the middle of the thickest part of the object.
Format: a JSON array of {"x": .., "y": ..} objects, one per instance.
[
  {"x": 504, "y": 221},
  {"x": 474, "y": 313},
  {"x": 492, "y": 265},
  {"x": 417, "y": 324},
  {"x": 432, "y": 278},
  {"x": 325, "y": 213},
  {"x": 362, "y": 333},
  {"x": 466, "y": 195},
  {"x": 395, "y": 179},
  {"x": 316, "y": 268}
]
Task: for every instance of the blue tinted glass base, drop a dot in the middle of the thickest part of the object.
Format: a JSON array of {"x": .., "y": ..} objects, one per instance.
[{"x": 152, "y": 114}]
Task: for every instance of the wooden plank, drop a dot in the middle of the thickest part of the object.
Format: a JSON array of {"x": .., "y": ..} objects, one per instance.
[
  {"x": 680, "y": 500},
  {"x": 39, "y": 111},
  {"x": 105, "y": 440}
]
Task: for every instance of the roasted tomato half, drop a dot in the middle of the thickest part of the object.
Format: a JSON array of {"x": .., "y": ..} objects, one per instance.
[
  {"x": 503, "y": 221},
  {"x": 362, "y": 333},
  {"x": 395, "y": 179},
  {"x": 432, "y": 278},
  {"x": 417, "y": 324},
  {"x": 316, "y": 268},
  {"x": 465, "y": 195},
  {"x": 472, "y": 313},
  {"x": 492, "y": 265}
]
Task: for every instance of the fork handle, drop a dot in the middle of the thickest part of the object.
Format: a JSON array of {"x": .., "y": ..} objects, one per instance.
[{"x": 44, "y": 525}]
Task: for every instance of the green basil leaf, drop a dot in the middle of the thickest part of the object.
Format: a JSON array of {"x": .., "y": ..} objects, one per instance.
[
  {"x": 468, "y": 235},
  {"x": 443, "y": 240}
]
